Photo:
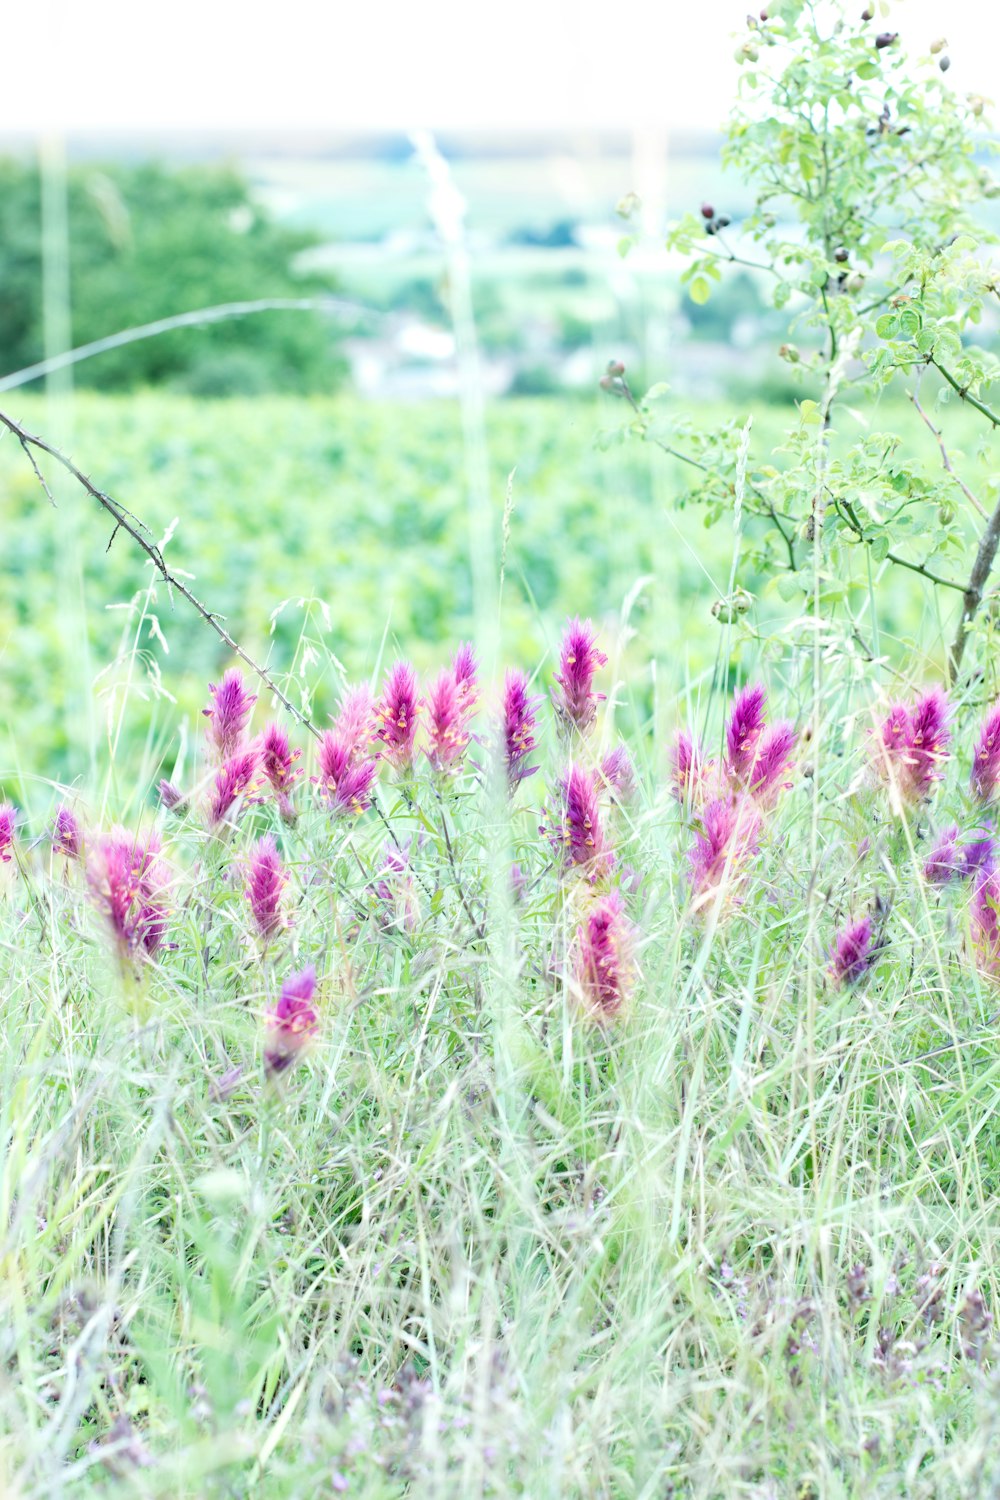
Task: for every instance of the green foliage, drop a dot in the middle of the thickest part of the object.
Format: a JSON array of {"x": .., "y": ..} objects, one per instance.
[
  {"x": 866, "y": 174},
  {"x": 145, "y": 243}
]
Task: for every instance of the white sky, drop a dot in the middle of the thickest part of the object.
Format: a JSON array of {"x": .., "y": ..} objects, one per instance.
[{"x": 125, "y": 65}]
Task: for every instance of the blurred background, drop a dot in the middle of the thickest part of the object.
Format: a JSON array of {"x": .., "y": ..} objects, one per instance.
[{"x": 393, "y": 241}]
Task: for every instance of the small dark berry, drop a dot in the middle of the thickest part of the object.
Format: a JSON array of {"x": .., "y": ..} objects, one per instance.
[
  {"x": 615, "y": 367},
  {"x": 886, "y": 39},
  {"x": 723, "y": 221},
  {"x": 707, "y": 211},
  {"x": 945, "y": 63},
  {"x": 840, "y": 255},
  {"x": 763, "y": 15},
  {"x": 868, "y": 14}
]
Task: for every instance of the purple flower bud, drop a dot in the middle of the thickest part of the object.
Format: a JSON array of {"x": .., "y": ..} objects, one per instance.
[
  {"x": 266, "y": 879},
  {"x": 395, "y": 889},
  {"x": 172, "y": 799},
  {"x": 66, "y": 836},
  {"x": 449, "y": 703},
  {"x": 725, "y": 841},
  {"x": 946, "y": 861},
  {"x": 984, "y": 914},
  {"x": 979, "y": 855},
  {"x": 743, "y": 732},
  {"x": 771, "y": 765},
  {"x": 128, "y": 883},
  {"x": 8, "y": 822},
  {"x": 603, "y": 969},
  {"x": 518, "y": 728},
  {"x": 293, "y": 1022},
  {"x": 986, "y": 761},
  {"x": 910, "y": 747},
  {"x": 689, "y": 772},
  {"x": 232, "y": 781},
  {"x": 355, "y": 724},
  {"x": 853, "y": 953},
  {"x": 465, "y": 669},
  {"x": 619, "y": 773},
  {"x": 396, "y": 716},
  {"x": 579, "y": 660},
  {"x": 228, "y": 714},
  {"x": 344, "y": 781},
  {"x": 277, "y": 763}
]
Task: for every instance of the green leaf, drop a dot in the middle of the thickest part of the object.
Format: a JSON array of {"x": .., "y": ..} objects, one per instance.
[
  {"x": 700, "y": 290},
  {"x": 880, "y": 547},
  {"x": 887, "y": 326},
  {"x": 788, "y": 587}
]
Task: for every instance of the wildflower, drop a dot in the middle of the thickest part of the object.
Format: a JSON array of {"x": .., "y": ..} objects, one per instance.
[
  {"x": 395, "y": 889},
  {"x": 853, "y": 953},
  {"x": 911, "y": 747},
  {"x": 985, "y": 923},
  {"x": 8, "y": 822},
  {"x": 979, "y": 855},
  {"x": 66, "y": 836},
  {"x": 579, "y": 660},
  {"x": 603, "y": 968},
  {"x": 772, "y": 762},
  {"x": 232, "y": 781},
  {"x": 172, "y": 799},
  {"x": 519, "y": 726},
  {"x": 229, "y": 714},
  {"x": 266, "y": 878},
  {"x": 619, "y": 773},
  {"x": 449, "y": 703},
  {"x": 743, "y": 732},
  {"x": 465, "y": 670},
  {"x": 277, "y": 763},
  {"x": 292, "y": 1023},
  {"x": 396, "y": 716},
  {"x": 687, "y": 766},
  {"x": 725, "y": 839},
  {"x": 344, "y": 780},
  {"x": 975, "y": 1321},
  {"x": 580, "y": 833},
  {"x": 986, "y": 760},
  {"x": 355, "y": 724},
  {"x": 945, "y": 862},
  {"x": 128, "y": 881}
]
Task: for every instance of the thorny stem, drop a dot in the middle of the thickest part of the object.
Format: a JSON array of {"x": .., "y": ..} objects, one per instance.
[{"x": 125, "y": 521}]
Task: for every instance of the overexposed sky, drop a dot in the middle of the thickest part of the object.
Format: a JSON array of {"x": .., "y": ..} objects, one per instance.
[{"x": 81, "y": 65}]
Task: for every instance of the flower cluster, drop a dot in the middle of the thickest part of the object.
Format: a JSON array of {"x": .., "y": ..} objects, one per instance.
[
  {"x": 128, "y": 881},
  {"x": 292, "y": 1024},
  {"x": 910, "y": 748},
  {"x": 396, "y": 714},
  {"x": 604, "y": 968},
  {"x": 450, "y": 703},
  {"x": 579, "y": 661},
  {"x": 266, "y": 879}
]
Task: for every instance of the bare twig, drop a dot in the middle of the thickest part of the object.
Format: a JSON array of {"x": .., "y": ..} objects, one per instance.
[
  {"x": 125, "y": 521},
  {"x": 945, "y": 460}
]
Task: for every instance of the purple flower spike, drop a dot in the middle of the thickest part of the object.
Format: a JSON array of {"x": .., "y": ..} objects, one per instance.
[
  {"x": 229, "y": 714},
  {"x": 724, "y": 842},
  {"x": 579, "y": 660},
  {"x": 172, "y": 799},
  {"x": 986, "y": 761},
  {"x": 395, "y": 889},
  {"x": 985, "y": 923},
  {"x": 853, "y": 953},
  {"x": 772, "y": 765},
  {"x": 344, "y": 781},
  {"x": 979, "y": 855},
  {"x": 266, "y": 880},
  {"x": 128, "y": 882},
  {"x": 945, "y": 862},
  {"x": 396, "y": 716},
  {"x": 743, "y": 732},
  {"x": 519, "y": 726},
  {"x": 448, "y": 708},
  {"x": 465, "y": 670},
  {"x": 911, "y": 746},
  {"x": 232, "y": 782},
  {"x": 66, "y": 836},
  {"x": 603, "y": 969},
  {"x": 688, "y": 769},
  {"x": 580, "y": 833},
  {"x": 355, "y": 724},
  {"x": 8, "y": 822},
  {"x": 292, "y": 1023},
  {"x": 277, "y": 763}
]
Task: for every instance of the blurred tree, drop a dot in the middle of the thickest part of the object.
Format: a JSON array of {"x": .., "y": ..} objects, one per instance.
[{"x": 147, "y": 242}]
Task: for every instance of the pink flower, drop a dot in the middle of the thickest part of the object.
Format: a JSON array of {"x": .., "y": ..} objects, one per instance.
[
  {"x": 579, "y": 832},
  {"x": 293, "y": 1022},
  {"x": 355, "y": 724},
  {"x": 910, "y": 747},
  {"x": 450, "y": 704},
  {"x": 519, "y": 726},
  {"x": 8, "y": 822},
  {"x": 772, "y": 762},
  {"x": 345, "y": 781},
  {"x": 266, "y": 878},
  {"x": 945, "y": 861},
  {"x": 689, "y": 770},
  {"x": 277, "y": 763},
  {"x": 603, "y": 969},
  {"x": 619, "y": 773},
  {"x": 579, "y": 660},
  {"x": 986, "y": 761},
  {"x": 396, "y": 714},
  {"x": 466, "y": 672},
  {"x": 743, "y": 733},
  {"x": 66, "y": 836},
  {"x": 228, "y": 714},
  {"x": 725, "y": 840},
  {"x": 853, "y": 953},
  {"x": 232, "y": 781},
  {"x": 172, "y": 799},
  {"x": 128, "y": 882},
  {"x": 395, "y": 889}
]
